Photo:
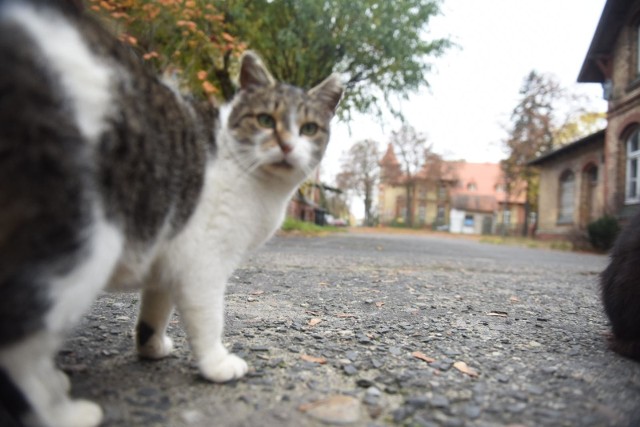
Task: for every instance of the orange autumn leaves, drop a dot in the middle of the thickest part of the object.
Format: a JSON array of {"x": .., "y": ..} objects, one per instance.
[{"x": 188, "y": 37}]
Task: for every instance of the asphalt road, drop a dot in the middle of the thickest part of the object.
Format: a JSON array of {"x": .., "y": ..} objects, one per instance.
[{"x": 374, "y": 330}]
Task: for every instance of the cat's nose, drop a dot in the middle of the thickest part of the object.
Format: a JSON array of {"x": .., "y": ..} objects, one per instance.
[{"x": 286, "y": 148}]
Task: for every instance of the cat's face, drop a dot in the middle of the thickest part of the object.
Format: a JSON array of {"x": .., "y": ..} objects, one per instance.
[{"x": 278, "y": 129}]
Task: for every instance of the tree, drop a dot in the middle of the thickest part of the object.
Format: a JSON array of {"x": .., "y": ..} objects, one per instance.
[
  {"x": 412, "y": 152},
  {"x": 360, "y": 172},
  {"x": 380, "y": 48},
  {"x": 189, "y": 38}
]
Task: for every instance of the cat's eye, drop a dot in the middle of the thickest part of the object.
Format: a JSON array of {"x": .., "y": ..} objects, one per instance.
[
  {"x": 309, "y": 129},
  {"x": 266, "y": 121}
]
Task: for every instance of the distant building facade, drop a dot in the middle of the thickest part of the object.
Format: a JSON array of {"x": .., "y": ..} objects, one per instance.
[{"x": 462, "y": 197}]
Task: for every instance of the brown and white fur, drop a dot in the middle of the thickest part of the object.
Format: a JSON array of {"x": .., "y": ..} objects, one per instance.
[{"x": 110, "y": 178}]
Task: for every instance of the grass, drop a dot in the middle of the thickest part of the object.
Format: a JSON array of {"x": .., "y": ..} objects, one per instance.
[
  {"x": 291, "y": 225},
  {"x": 526, "y": 242}
]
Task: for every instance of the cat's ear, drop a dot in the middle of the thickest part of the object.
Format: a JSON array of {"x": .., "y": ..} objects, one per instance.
[
  {"x": 253, "y": 72},
  {"x": 329, "y": 92}
]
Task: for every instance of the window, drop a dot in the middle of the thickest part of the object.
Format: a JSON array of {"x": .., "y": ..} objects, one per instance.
[
  {"x": 567, "y": 190},
  {"x": 632, "y": 190},
  {"x": 442, "y": 191},
  {"x": 440, "y": 215},
  {"x": 506, "y": 216},
  {"x": 468, "y": 220}
]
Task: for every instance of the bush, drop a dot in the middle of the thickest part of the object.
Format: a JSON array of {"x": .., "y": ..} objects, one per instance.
[{"x": 603, "y": 232}]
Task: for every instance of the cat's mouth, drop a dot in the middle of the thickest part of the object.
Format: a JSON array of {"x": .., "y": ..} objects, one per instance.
[{"x": 282, "y": 164}]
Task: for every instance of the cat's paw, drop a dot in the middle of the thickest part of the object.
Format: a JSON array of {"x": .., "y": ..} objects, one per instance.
[
  {"x": 223, "y": 368},
  {"x": 156, "y": 347},
  {"x": 75, "y": 413}
]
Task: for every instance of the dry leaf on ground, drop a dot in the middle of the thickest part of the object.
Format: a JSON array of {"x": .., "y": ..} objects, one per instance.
[
  {"x": 313, "y": 359},
  {"x": 420, "y": 355},
  {"x": 465, "y": 369},
  {"x": 314, "y": 321},
  {"x": 379, "y": 304}
]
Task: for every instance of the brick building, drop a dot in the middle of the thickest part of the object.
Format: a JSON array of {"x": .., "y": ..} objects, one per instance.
[{"x": 600, "y": 174}]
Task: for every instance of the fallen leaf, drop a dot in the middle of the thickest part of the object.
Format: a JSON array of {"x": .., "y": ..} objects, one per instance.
[
  {"x": 314, "y": 321},
  {"x": 465, "y": 369},
  {"x": 514, "y": 299},
  {"x": 257, "y": 293},
  {"x": 498, "y": 313},
  {"x": 379, "y": 304},
  {"x": 346, "y": 315},
  {"x": 420, "y": 355},
  {"x": 313, "y": 359}
]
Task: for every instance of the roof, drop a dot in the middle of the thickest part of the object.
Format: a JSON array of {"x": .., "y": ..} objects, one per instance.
[
  {"x": 614, "y": 15},
  {"x": 487, "y": 178},
  {"x": 588, "y": 141},
  {"x": 474, "y": 202},
  {"x": 389, "y": 158}
]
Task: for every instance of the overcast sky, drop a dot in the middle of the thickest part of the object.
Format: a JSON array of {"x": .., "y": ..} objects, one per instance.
[{"x": 474, "y": 88}]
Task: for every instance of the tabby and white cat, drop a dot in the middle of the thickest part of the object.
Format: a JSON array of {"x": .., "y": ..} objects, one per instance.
[{"x": 110, "y": 177}]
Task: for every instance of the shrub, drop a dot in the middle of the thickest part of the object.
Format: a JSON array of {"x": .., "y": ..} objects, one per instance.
[{"x": 603, "y": 232}]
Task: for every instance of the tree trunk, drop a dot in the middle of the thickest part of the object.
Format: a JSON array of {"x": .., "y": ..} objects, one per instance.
[{"x": 367, "y": 205}]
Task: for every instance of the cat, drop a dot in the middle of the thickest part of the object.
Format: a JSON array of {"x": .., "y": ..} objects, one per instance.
[
  {"x": 111, "y": 178},
  {"x": 620, "y": 291}
]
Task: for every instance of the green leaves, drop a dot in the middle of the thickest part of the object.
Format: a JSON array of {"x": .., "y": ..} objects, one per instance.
[{"x": 379, "y": 48}]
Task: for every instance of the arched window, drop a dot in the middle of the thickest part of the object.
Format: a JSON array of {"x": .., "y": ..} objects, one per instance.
[
  {"x": 566, "y": 197},
  {"x": 632, "y": 187}
]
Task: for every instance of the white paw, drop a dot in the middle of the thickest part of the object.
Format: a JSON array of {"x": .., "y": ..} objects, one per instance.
[
  {"x": 222, "y": 368},
  {"x": 156, "y": 347},
  {"x": 75, "y": 413}
]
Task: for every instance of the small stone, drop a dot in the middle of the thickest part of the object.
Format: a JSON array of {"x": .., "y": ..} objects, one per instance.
[
  {"x": 502, "y": 378},
  {"x": 373, "y": 391},
  {"x": 417, "y": 401},
  {"x": 364, "y": 383},
  {"x": 350, "y": 369},
  {"x": 439, "y": 401},
  {"x": 351, "y": 355},
  {"x": 517, "y": 407},
  {"x": 377, "y": 363},
  {"x": 396, "y": 351},
  {"x": 338, "y": 409},
  {"x": 472, "y": 411}
]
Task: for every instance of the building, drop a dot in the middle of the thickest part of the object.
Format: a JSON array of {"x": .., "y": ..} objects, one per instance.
[
  {"x": 480, "y": 202},
  {"x": 571, "y": 187},
  {"x": 600, "y": 174},
  {"x": 459, "y": 196}
]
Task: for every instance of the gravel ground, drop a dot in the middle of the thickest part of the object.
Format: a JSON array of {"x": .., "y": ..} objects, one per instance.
[{"x": 374, "y": 330}]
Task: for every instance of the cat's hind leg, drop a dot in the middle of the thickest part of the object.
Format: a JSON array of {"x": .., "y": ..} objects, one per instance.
[
  {"x": 30, "y": 376},
  {"x": 156, "y": 307}
]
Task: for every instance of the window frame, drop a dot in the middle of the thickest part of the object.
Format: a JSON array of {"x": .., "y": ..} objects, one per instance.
[
  {"x": 566, "y": 204},
  {"x": 632, "y": 162}
]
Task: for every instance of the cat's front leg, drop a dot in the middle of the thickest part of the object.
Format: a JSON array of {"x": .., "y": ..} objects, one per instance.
[
  {"x": 156, "y": 307},
  {"x": 201, "y": 307}
]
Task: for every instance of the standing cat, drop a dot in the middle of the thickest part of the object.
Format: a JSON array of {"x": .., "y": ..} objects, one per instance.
[
  {"x": 110, "y": 177},
  {"x": 620, "y": 286}
]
